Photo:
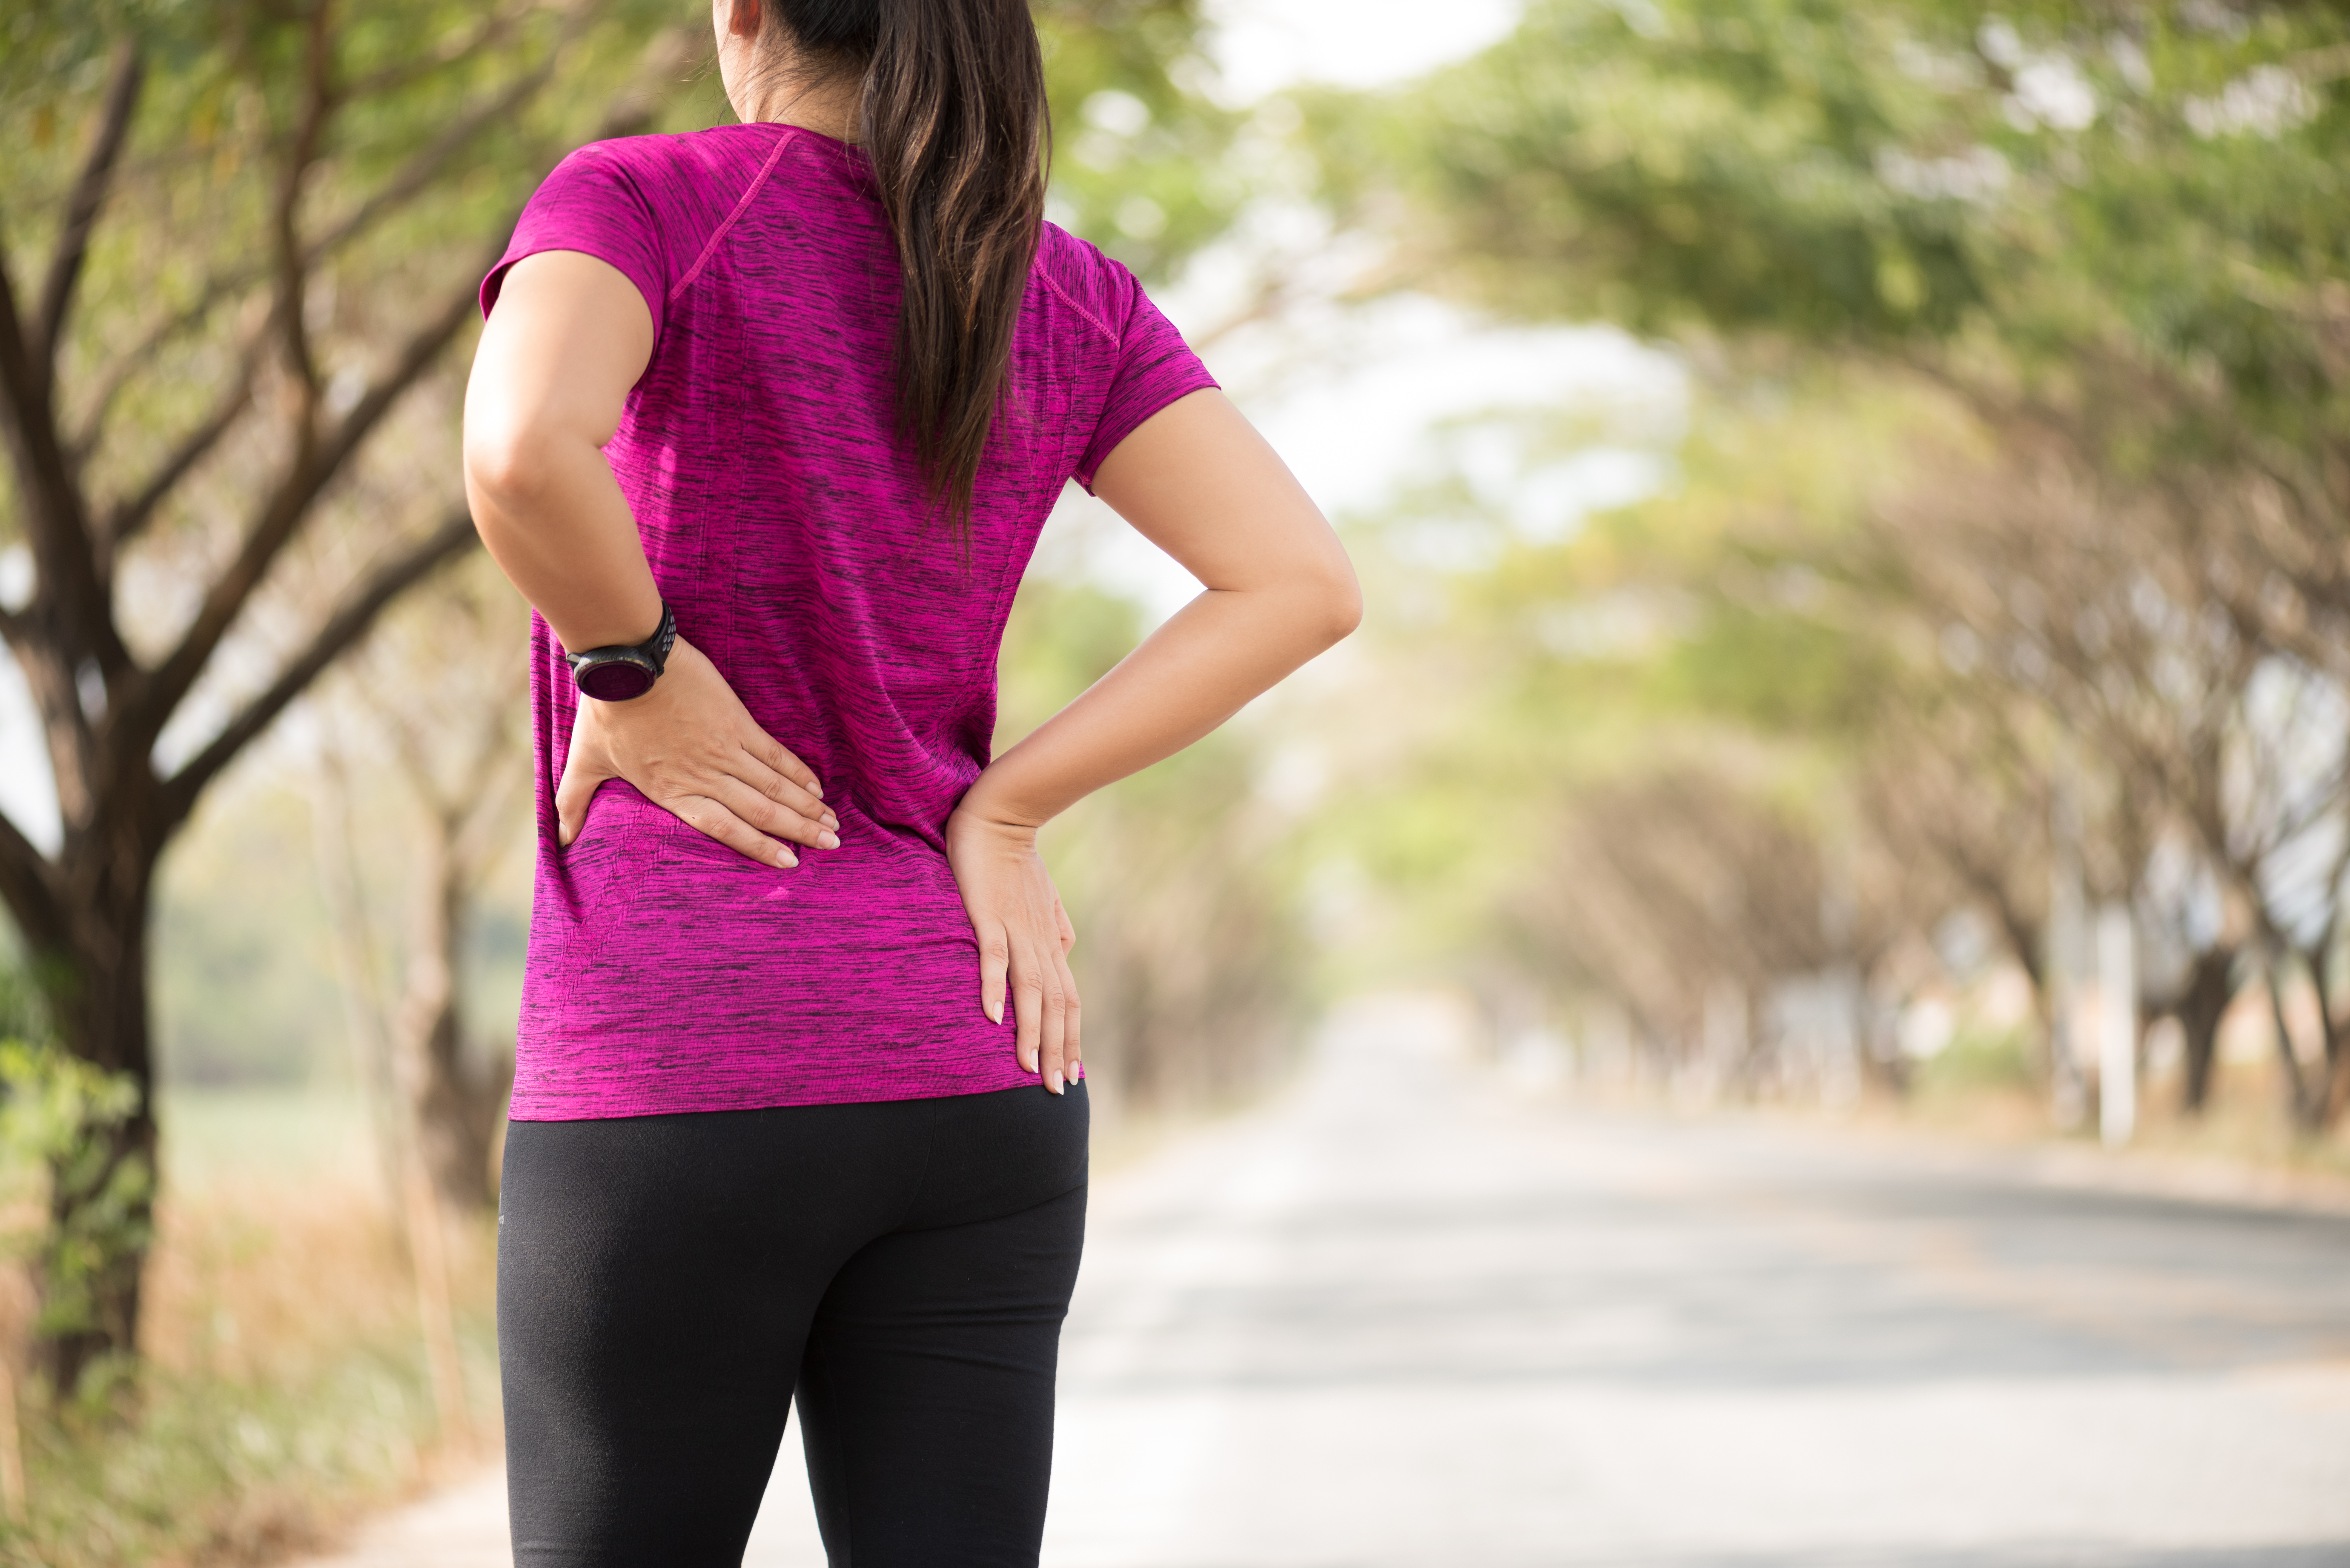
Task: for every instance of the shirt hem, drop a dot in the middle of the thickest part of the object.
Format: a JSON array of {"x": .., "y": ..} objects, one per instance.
[{"x": 539, "y": 1111}]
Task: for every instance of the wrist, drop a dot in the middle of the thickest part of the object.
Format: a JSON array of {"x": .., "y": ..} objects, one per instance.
[
  {"x": 620, "y": 672},
  {"x": 988, "y": 808}
]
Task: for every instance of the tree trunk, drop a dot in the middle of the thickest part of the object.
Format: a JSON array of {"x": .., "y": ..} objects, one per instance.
[
  {"x": 2288, "y": 1059},
  {"x": 2327, "y": 1096},
  {"x": 102, "y": 1193},
  {"x": 2210, "y": 987},
  {"x": 453, "y": 1104},
  {"x": 2337, "y": 1100}
]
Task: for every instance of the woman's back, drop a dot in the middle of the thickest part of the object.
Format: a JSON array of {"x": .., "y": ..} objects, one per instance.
[
  {"x": 765, "y": 426},
  {"x": 791, "y": 529}
]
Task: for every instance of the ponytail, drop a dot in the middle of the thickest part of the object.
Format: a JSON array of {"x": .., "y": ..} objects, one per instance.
[{"x": 954, "y": 119}]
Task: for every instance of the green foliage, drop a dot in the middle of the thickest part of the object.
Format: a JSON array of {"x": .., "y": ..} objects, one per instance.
[
  {"x": 2054, "y": 182},
  {"x": 1880, "y": 173},
  {"x": 56, "y": 1113},
  {"x": 1062, "y": 639},
  {"x": 1979, "y": 1059},
  {"x": 429, "y": 147},
  {"x": 1139, "y": 147},
  {"x": 1655, "y": 163},
  {"x": 80, "y": 1211}
]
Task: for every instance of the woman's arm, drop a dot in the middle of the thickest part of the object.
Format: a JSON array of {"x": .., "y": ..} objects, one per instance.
[
  {"x": 568, "y": 338},
  {"x": 1197, "y": 481}
]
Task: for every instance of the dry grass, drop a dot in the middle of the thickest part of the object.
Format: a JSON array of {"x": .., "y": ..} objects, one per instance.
[
  {"x": 2245, "y": 1119},
  {"x": 1982, "y": 1093},
  {"x": 263, "y": 1278},
  {"x": 284, "y": 1390},
  {"x": 2244, "y": 1142}
]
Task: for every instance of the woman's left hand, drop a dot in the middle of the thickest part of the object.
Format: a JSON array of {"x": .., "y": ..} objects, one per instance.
[{"x": 1024, "y": 937}]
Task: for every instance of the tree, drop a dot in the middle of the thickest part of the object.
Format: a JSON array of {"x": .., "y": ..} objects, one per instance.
[
  {"x": 2113, "y": 237},
  {"x": 247, "y": 234},
  {"x": 460, "y": 748}
]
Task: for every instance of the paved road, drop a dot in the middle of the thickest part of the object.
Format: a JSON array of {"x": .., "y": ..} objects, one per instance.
[{"x": 1406, "y": 1318}]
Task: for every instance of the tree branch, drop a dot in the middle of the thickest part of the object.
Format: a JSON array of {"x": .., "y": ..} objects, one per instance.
[
  {"x": 129, "y": 518},
  {"x": 81, "y": 207},
  {"x": 342, "y": 631},
  {"x": 282, "y": 518},
  {"x": 292, "y": 263},
  {"x": 27, "y": 887},
  {"x": 2288, "y": 1057},
  {"x": 422, "y": 170},
  {"x": 391, "y": 79},
  {"x": 316, "y": 464},
  {"x": 416, "y": 357},
  {"x": 148, "y": 704},
  {"x": 74, "y": 603},
  {"x": 403, "y": 187},
  {"x": 140, "y": 358}
]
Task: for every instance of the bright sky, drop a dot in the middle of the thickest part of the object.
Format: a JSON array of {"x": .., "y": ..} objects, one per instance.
[{"x": 1265, "y": 45}]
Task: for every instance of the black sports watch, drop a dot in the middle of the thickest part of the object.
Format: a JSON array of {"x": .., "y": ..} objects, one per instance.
[{"x": 624, "y": 670}]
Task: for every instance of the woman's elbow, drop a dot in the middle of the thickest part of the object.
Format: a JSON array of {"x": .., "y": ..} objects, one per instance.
[
  {"x": 506, "y": 465},
  {"x": 1337, "y": 603}
]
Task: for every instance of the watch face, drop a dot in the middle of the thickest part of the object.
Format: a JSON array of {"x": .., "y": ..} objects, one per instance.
[{"x": 616, "y": 680}]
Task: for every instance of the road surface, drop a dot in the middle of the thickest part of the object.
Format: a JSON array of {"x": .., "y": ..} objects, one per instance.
[{"x": 1405, "y": 1317}]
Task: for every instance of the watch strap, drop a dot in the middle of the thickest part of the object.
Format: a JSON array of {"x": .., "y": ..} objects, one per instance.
[{"x": 623, "y": 671}]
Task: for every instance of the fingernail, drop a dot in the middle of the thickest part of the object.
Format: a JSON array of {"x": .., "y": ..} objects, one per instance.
[
  {"x": 1028, "y": 1062},
  {"x": 832, "y": 822},
  {"x": 815, "y": 789},
  {"x": 787, "y": 859},
  {"x": 827, "y": 841},
  {"x": 1078, "y": 1072},
  {"x": 1053, "y": 1080}
]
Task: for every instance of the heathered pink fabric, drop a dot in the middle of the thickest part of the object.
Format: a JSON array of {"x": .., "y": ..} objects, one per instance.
[{"x": 786, "y": 526}]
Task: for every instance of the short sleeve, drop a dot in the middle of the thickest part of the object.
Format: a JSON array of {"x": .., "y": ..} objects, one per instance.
[
  {"x": 1154, "y": 368},
  {"x": 593, "y": 202}
]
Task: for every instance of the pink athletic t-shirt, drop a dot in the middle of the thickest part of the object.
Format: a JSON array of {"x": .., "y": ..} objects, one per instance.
[{"x": 785, "y": 520}]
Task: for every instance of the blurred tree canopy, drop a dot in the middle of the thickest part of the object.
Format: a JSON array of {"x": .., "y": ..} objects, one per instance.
[
  {"x": 2007, "y": 544},
  {"x": 247, "y": 237},
  {"x": 1139, "y": 155}
]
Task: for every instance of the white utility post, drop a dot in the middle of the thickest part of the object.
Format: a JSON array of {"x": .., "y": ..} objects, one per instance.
[
  {"x": 2117, "y": 1026},
  {"x": 2068, "y": 934}
]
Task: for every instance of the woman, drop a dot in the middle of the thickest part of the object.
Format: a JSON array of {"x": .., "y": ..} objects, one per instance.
[{"x": 764, "y": 421}]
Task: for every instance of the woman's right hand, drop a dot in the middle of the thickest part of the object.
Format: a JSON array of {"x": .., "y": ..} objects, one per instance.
[{"x": 690, "y": 746}]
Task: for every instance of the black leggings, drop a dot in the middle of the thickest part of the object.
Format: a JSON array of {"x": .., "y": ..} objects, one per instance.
[{"x": 667, "y": 1285}]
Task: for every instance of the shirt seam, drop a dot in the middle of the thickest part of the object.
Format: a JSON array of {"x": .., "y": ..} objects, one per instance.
[
  {"x": 710, "y": 247},
  {"x": 1070, "y": 300}
]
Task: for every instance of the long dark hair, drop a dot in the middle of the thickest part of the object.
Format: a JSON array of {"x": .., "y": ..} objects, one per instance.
[{"x": 954, "y": 119}]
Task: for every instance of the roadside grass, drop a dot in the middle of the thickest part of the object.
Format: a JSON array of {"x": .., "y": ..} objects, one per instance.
[
  {"x": 282, "y": 1390},
  {"x": 2245, "y": 1124},
  {"x": 1984, "y": 1088},
  {"x": 1975, "y": 1061}
]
